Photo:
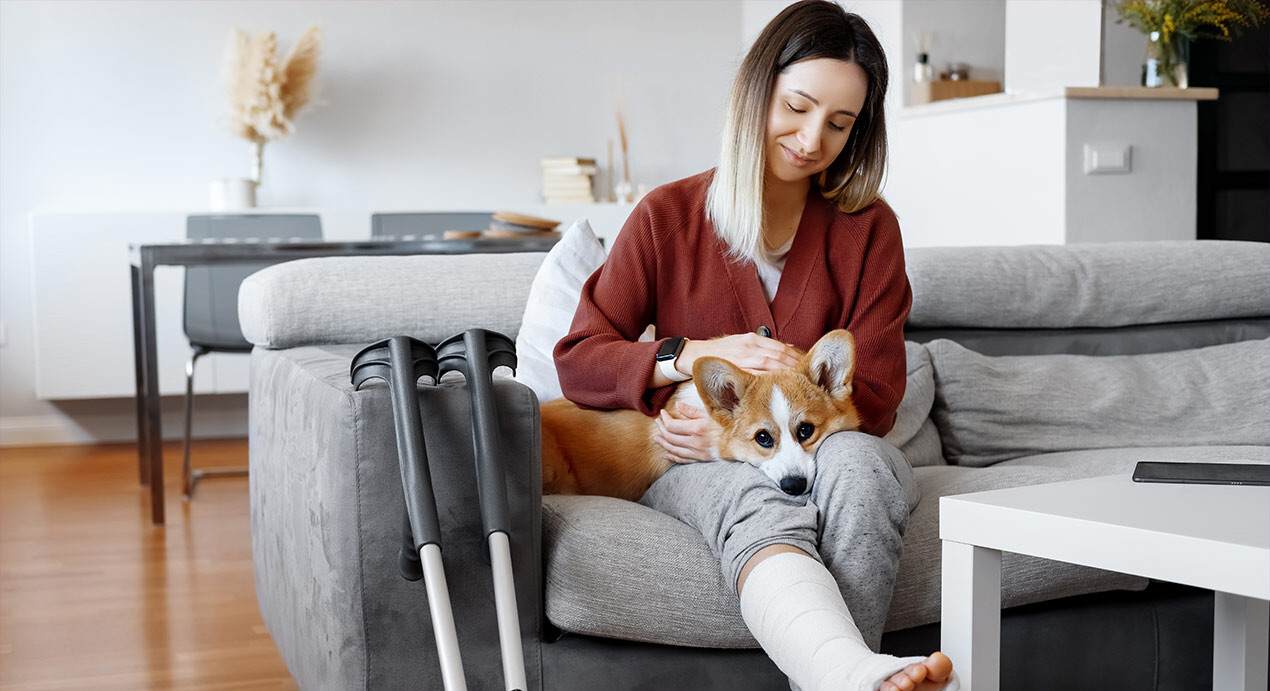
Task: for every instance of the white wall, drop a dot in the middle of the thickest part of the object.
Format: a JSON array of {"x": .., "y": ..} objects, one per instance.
[
  {"x": 114, "y": 106},
  {"x": 1052, "y": 43},
  {"x": 987, "y": 176}
]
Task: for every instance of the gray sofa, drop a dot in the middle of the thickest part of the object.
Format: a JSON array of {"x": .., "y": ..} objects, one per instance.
[{"x": 614, "y": 595}]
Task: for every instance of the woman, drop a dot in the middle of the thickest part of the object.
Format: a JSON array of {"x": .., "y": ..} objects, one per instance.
[{"x": 786, "y": 240}]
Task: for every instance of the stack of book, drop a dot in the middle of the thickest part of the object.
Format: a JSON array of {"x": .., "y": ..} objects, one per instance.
[{"x": 568, "y": 180}]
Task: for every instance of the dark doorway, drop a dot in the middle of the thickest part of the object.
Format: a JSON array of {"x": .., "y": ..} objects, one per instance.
[{"x": 1233, "y": 181}]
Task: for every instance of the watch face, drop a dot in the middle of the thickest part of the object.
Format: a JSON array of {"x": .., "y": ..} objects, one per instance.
[{"x": 670, "y": 349}]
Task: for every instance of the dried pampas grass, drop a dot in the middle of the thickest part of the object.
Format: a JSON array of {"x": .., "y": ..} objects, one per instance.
[{"x": 265, "y": 97}]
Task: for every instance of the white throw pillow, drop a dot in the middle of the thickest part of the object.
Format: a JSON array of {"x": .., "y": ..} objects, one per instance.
[{"x": 553, "y": 299}]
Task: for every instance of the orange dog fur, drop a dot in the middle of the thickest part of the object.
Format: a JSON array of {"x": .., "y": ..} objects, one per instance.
[{"x": 775, "y": 421}]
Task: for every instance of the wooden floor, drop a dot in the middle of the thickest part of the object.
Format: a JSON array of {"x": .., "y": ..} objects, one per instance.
[{"x": 94, "y": 597}]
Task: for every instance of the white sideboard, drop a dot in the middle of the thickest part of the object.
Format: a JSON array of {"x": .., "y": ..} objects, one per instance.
[{"x": 83, "y": 307}]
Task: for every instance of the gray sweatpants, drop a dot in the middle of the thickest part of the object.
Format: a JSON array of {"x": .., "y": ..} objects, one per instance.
[{"x": 853, "y": 520}]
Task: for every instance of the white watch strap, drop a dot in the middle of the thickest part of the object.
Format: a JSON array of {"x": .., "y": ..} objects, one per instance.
[{"x": 668, "y": 370}]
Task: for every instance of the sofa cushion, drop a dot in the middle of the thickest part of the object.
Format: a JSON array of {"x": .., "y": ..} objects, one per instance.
[
  {"x": 622, "y": 570},
  {"x": 619, "y": 569},
  {"x": 1087, "y": 285},
  {"x": 914, "y": 433},
  {"x": 989, "y": 409}
]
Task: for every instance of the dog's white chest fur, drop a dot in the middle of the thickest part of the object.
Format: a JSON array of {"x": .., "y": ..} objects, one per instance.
[{"x": 688, "y": 395}]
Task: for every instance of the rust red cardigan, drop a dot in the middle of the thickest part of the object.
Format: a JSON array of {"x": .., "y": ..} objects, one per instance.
[{"x": 668, "y": 268}]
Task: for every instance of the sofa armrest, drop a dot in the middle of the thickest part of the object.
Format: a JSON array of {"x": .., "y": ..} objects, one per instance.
[
  {"x": 364, "y": 299},
  {"x": 326, "y": 520}
]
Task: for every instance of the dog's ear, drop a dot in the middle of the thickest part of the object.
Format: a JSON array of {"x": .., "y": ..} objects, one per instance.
[
  {"x": 721, "y": 384},
  {"x": 831, "y": 363}
]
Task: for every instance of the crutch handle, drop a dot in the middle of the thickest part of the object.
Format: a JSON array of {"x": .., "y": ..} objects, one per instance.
[
  {"x": 415, "y": 359},
  {"x": 416, "y": 480},
  {"x": 477, "y": 353}
]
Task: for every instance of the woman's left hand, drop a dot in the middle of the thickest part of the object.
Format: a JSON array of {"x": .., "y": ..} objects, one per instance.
[{"x": 686, "y": 440}]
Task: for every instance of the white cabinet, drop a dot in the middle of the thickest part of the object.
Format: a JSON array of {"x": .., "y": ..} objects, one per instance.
[{"x": 83, "y": 307}]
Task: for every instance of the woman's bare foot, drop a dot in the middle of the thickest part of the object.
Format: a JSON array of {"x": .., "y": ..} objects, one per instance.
[{"x": 928, "y": 675}]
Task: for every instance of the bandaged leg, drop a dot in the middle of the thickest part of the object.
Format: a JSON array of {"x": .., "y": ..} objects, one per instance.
[{"x": 792, "y": 606}]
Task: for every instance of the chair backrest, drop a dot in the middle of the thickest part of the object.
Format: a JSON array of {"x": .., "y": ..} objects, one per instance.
[
  {"x": 211, "y": 292},
  {"x": 428, "y": 223}
]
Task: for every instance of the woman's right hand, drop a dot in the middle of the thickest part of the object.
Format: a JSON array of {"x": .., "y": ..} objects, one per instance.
[{"x": 749, "y": 351}]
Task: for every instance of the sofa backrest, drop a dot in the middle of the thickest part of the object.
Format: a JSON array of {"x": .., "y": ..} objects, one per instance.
[{"x": 1093, "y": 298}]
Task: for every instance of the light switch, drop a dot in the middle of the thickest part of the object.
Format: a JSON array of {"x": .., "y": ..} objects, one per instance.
[{"x": 1101, "y": 159}]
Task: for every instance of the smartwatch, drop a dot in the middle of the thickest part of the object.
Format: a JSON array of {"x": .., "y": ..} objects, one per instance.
[{"x": 667, "y": 354}]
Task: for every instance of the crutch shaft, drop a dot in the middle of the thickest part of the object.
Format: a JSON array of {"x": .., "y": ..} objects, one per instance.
[
  {"x": 442, "y": 619},
  {"x": 500, "y": 555}
]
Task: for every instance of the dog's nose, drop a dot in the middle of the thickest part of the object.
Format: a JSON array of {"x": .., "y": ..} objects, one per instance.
[{"x": 793, "y": 485}]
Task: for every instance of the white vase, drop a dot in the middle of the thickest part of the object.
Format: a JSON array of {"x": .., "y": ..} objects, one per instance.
[{"x": 232, "y": 194}]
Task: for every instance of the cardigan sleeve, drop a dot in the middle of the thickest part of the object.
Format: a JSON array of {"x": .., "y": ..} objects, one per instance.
[
  {"x": 599, "y": 362},
  {"x": 877, "y": 324}
]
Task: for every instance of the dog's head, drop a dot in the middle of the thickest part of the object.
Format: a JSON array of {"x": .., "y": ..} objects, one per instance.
[{"x": 777, "y": 420}]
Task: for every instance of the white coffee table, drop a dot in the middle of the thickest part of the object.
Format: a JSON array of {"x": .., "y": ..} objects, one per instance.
[{"x": 1210, "y": 536}]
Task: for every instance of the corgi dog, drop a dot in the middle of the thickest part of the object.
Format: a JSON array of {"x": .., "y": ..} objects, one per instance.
[{"x": 775, "y": 421}]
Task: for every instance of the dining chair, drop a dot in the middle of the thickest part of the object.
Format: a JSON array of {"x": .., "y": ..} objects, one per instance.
[
  {"x": 211, "y": 303},
  {"x": 427, "y": 224}
]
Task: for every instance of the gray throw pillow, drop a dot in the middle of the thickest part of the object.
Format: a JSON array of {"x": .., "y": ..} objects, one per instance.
[
  {"x": 991, "y": 409},
  {"x": 913, "y": 433}
]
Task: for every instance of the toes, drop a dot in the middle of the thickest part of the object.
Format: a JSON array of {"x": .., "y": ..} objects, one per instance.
[
  {"x": 899, "y": 681},
  {"x": 916, "y": 672},
  {"x": 938, "y": 667}
]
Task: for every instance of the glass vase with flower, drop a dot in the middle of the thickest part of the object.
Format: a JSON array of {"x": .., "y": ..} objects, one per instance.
[
  {"x": 1166, "y": 60},
  {"x": 1170, "y": 25}
]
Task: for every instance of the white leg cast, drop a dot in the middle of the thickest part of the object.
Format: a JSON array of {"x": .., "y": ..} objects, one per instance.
[
  {"x": 500, "y": 556},
  {"x": 1241, "y": 632},
  {"x": 442, "y": 619},
  {"x": 971, "y": 614}
]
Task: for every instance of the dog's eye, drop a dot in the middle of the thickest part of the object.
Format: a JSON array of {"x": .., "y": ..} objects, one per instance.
[
  {"x": 764, "y": 439},
  {"x": 805, "y": 430}
]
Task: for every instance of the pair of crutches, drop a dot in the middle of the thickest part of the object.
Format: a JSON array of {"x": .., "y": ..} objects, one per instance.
[{"x": 402, "y": 361}]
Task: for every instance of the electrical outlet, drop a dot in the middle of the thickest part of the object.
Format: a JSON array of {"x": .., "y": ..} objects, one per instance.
[
  {"x": 4, "y": 337},
  {"x": 1104, "y": 159}
]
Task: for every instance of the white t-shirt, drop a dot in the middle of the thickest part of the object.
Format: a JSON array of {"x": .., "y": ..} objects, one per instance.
[{"x": 770, "y": 274}]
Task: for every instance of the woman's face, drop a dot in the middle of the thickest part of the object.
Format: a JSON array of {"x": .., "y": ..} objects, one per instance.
[{"x": 813, "y": 108}]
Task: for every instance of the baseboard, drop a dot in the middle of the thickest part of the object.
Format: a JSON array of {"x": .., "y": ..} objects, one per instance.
[{"x": 53, "y": 430}]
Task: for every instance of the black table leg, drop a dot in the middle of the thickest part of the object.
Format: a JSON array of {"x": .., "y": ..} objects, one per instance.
[
  {"x": 139, "y": 365},
  {"x": 153, "y": 424}
]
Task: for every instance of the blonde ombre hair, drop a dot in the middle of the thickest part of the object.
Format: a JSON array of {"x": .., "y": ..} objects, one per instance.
[{"x": 803, "y": 31}]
